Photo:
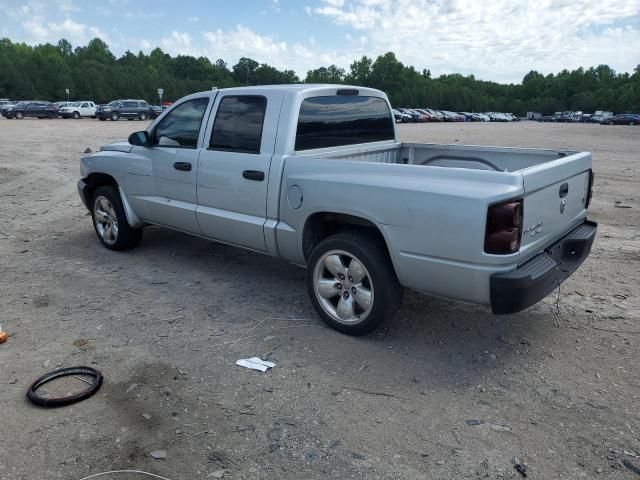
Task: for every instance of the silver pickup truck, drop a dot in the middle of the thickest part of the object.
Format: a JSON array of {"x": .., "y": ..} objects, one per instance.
[{"x": 315, "y": 175}]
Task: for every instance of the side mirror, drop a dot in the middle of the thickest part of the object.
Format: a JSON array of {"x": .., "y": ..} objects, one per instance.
[{"x": 140, "y": 139}]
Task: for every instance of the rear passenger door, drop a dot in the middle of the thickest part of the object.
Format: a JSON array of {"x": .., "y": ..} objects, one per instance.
[
  {"x": 34, "y": 109},
  {"x": 234, "y": 168},
  {"x": 128, "y": 109}
]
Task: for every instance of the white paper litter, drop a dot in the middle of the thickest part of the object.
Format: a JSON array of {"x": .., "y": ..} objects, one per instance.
[{"x": 255, "y": 363}]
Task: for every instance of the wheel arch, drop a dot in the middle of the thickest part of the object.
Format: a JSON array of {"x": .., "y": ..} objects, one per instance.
[
  {"x": 320, "y": 225},
  {"x": 95, "y": 180},
  {"x": 98, "y": 179}
]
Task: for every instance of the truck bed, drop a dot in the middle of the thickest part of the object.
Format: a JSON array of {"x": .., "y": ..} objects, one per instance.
[
  {"x": 500, "y": 159},
  {"x": 464, "y": 178}
]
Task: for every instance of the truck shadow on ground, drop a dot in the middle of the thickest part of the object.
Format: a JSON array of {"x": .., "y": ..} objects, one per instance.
[{"x": 458, "y": 340}]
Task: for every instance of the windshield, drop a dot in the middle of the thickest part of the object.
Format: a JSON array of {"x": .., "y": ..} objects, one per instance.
[{"x": 115, "y": 102}]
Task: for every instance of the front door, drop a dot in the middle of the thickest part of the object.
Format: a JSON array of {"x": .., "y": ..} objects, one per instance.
[
  {"x": 234, "y": 169},
  {"x": 173, "y": 155}
]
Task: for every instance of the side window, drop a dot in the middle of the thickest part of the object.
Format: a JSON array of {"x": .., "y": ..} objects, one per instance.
[
  {"x": 238, "y": 124},
  {"x": 180, "y": 128},
  {"x": 84, "y": 105},
  {"x": 128, "y": 104}
]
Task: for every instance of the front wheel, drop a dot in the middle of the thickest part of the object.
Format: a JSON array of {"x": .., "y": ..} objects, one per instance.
[
  {"x": 115, "y": 116},
  {"x": 18, "y": 115},
  {"x": 76, "y": 115},
  {"x": 352, "y": 283},
  {"x": 110, "y": 221}
]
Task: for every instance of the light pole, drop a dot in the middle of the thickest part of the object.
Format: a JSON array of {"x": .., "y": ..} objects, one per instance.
[{"x": 67, "y": 92}]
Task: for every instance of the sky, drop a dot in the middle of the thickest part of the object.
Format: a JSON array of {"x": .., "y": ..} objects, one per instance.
[{"x": 498, "y": 40}]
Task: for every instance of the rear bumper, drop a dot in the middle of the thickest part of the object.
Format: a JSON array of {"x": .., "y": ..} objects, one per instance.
[{"x": 528, "y": 284}]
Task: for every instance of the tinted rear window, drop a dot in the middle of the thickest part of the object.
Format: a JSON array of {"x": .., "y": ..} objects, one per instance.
[
  {"x": 343, "y": 120},
  {"x": 238, "y": 124}
]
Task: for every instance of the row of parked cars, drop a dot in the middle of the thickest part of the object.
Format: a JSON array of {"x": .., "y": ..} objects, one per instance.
[
  {"x": 115, "y": 110},
  {"x": 601, "y": 117},
  {"x": 407, "y": 115}
]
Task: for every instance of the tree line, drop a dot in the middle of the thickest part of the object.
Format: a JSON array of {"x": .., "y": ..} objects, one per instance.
[{"x": 93, "y": 72}]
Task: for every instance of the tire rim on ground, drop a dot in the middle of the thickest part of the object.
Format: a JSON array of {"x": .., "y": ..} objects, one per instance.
[
  {"x": 106, "y": 221},
  {"x": 343, "y": 287},
  {"x": 32, "y": 392}
]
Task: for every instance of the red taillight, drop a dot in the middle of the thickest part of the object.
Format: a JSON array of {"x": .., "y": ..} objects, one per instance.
[
  {"x": 504, "y": 228},
  {"x": 590, "y": 189}
]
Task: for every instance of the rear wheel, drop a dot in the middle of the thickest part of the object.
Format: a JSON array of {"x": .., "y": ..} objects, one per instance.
[
  {"x": 352, "y": 283},
  {"x": 110, "y": 220},
  {"x": 115, "y": 116},
  {"x": 102, "y": 119},
  {"x": 143, "y": 115}
]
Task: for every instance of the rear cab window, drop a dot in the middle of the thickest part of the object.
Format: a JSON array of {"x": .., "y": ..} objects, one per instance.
[{"x": 339, "y": 120}]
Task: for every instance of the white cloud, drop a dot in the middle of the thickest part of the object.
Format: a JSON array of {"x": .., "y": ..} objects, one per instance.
[
  {"x": 500, "y": 40},
  {"x": 180, "y": 43},
  {"x": 39, "y": 31},
  {"x": 300, "y": 57}
]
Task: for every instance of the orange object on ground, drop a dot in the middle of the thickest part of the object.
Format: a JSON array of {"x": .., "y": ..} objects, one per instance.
[{"x": 4, "y": 336}]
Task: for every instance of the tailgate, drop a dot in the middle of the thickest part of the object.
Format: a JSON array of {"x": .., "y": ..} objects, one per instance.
[{"x": 554, "y": 202}]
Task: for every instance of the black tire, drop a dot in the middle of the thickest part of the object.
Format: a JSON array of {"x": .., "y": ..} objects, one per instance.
[
  {"x": 32, "y": 392},
  {"x": 372, "y": 253},
  {"x": 127, "y": 236},
  {"x": 143, "y": 116},
  {"x": 18, "y": 115},
  {"x": 102, "y": 119},
  {"x": 76, "y": 115},
  {"x": 115, "y": 116}
]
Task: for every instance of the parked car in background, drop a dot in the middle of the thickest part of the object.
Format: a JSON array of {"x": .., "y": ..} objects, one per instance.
[
  {"x": 129, "y": 109},
  {"x": 623, "y": 119},
  {"x": 436, "y": 116},
  {"x": 78, "y": 110},
  {"x": 603, "y": 114},
  {"x": 156, "y": 110},
  {"x": 585, "y": 118},
  {"x": 400, "y": 117},
  {"x": 415, "y": 116},
  {"x": 547, "y": 118},
  {"x": 33, "y": 108},
  {"x": 59, "y": 105},
  {"x": 425, "y": 114},
  {"x": 4, "y": 104}
]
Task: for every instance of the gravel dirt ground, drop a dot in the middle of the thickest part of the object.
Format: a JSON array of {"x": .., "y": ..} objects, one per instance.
[{"x": 446, "y": 391}]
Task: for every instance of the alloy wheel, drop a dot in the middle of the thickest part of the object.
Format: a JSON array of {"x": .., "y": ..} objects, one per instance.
[
  {"x": 106, "y": 221},
  {"x": 343, "y": 287}
]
